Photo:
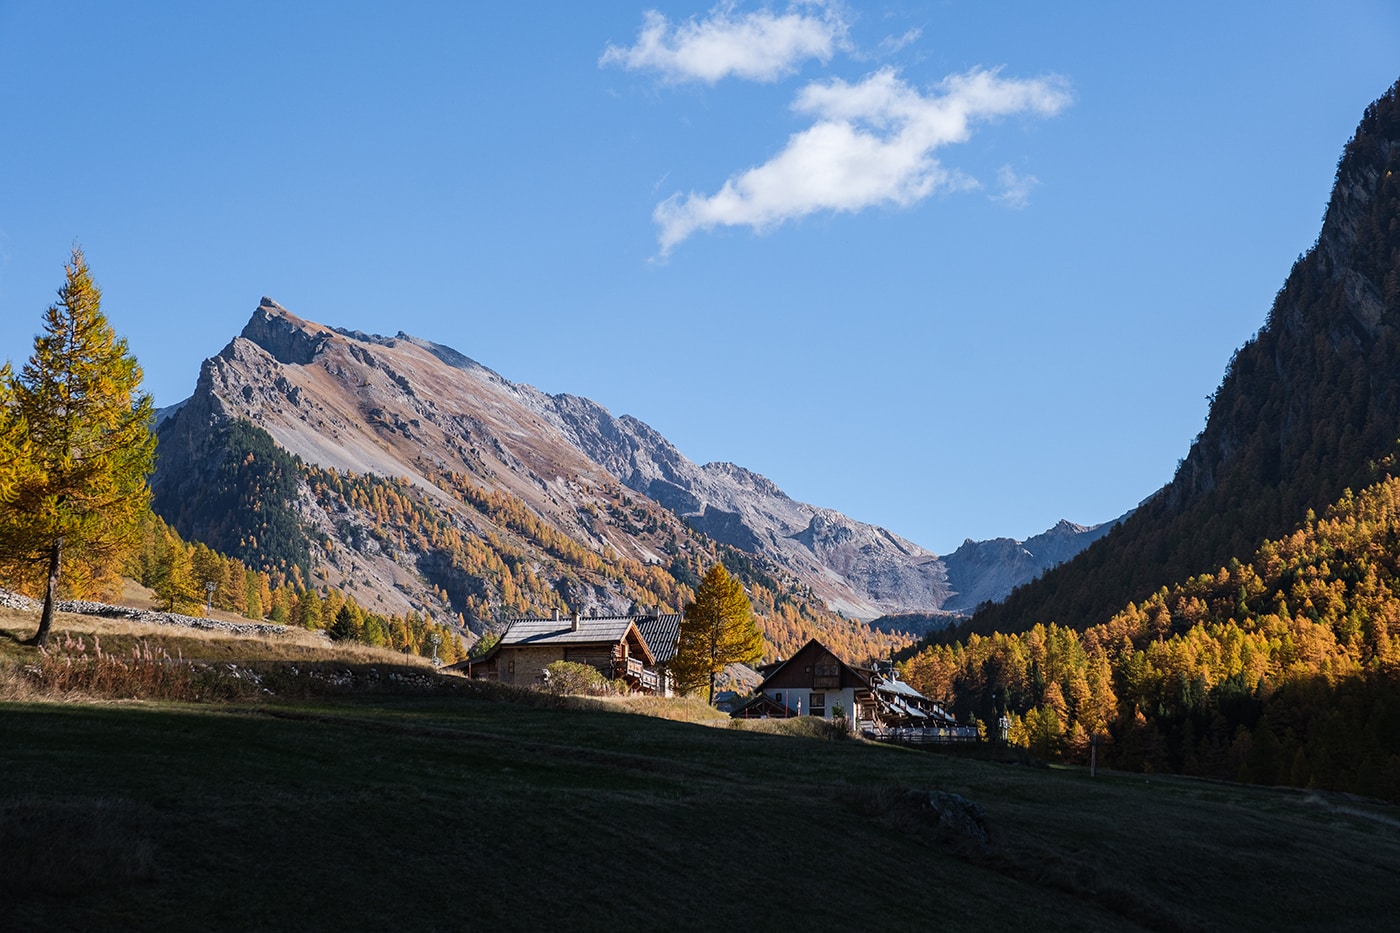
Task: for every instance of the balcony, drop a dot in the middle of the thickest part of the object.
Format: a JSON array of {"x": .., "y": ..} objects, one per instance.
[
  {"x": 628, "y": 668},
  {"x": 637, "y": 674}
]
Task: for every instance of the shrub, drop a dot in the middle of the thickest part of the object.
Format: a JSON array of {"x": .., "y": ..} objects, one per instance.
[{"x": 563, "y": 677}]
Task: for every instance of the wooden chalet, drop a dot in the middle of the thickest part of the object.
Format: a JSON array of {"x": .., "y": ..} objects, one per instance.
[
  {"x": 614, "y": 645},
  {"x": 815, "y": 682}
]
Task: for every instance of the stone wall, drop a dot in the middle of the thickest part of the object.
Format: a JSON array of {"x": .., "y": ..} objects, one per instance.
[{"x": 11, "y": 600}]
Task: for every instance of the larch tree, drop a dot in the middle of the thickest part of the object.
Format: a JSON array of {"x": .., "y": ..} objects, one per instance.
[
  {"x": 174, "y": 578},
  {"x": 72, "y": 495},
  {"x": 718, "y": 628},
  {"x": 14, "y": 441}
]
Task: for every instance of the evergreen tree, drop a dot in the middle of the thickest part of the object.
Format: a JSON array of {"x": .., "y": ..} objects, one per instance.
[
  {"x": 79, "y": 490},
  {"x": 718, "y": 629},
  {"x": 346, "y": 626}
]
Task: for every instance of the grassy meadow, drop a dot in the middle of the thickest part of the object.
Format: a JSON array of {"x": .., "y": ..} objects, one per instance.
[{"x": 359, "y": 800}]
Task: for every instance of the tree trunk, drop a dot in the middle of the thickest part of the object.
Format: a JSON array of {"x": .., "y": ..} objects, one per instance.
[
  {"x": 714, "y": 650},
  {"x": 41, "y": 637}
]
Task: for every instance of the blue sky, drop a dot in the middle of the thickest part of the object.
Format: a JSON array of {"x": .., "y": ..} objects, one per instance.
[{"x": 958, "y": 269}]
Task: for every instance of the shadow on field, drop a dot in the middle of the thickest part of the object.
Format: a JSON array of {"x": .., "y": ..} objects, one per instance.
[
  {"x": 12, "y": 637},
  {"x": 73, "y": 846}
]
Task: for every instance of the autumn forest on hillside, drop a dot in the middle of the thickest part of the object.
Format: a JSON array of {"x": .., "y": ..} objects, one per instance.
[
  {"x": 1279, "y": 666},
  {"x": 1281, "y": 670}
]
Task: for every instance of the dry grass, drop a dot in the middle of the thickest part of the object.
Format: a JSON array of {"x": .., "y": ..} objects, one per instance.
[
  {"x": 97, "y": 658},
  {"x": 78, "y": 667},
  {"x": 291, "y": 644},
  {"x": 804, "y": 726},
  {"x": 676, "y": 709}
]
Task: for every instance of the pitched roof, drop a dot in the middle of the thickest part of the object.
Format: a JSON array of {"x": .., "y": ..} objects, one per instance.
[
  {"x": 772, "y": 672},
  {"x": 563, "y": 631},
  {"x": 661, "y": 633},
  {"x": 761, "y": 705},
  {"x": 658, "y": 633},
  {"x": 890, "y": 683},
  {"x": 599, "y": 630}
]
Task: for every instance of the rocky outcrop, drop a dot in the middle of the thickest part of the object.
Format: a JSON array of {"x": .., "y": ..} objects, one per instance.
[{"x": 857, "y": 568}]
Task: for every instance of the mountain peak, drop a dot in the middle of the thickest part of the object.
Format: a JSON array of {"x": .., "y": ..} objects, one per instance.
[
  {"x": 281, "y": 333},
  {"x": 1065, "y": 526}
]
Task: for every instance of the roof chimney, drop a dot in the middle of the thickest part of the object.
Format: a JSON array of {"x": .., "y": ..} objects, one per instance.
[
  {"x": 556, "y": 615},
  {"x": 574, "y": 627}
]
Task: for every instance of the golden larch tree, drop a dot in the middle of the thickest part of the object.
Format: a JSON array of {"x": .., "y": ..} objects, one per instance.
[
  {"x": 75, "y": 493},
  {"x": 718, "y": 628}
]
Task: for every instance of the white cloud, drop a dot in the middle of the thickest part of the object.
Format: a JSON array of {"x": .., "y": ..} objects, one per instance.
[
  {"x": 1015, "y": 189},
  {"x": 892, "y": 44},
  {"x": 872, "y": 144},
  {"x": 760, "y": 46}
]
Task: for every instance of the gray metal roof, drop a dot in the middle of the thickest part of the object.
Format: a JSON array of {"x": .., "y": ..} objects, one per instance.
[
  {"x": 658, "y": 632},
  {"x": 562, "y": 632},
  {"x": 661, "y": 632},
  {"x": 891, "y": 684}
]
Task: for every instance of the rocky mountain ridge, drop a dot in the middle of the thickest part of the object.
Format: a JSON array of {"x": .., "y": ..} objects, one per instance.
[
  {"x": 414, "y": 411},
  {"x": 986, "y": 571}
]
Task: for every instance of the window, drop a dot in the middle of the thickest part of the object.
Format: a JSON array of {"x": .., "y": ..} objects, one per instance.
[
  {"x": 818, "y": 704},
  {"x": 827, "y": 677}
]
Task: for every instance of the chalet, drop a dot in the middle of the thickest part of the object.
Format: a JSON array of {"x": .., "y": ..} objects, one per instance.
[
  {"x": 815, "y": 682},
  {"x": 614, "y": 645}
]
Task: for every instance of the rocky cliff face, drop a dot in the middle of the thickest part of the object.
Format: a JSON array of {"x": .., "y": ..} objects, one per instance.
[
  {"x": 1307, "y": 408},
  {"x": 405, "y": 408}
]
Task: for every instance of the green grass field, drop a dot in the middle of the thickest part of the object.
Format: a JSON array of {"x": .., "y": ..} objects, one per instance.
[{"x": 478, "y": 811}]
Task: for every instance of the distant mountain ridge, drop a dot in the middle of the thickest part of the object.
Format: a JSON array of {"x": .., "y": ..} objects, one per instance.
[
  {"x": 986, "y": 571},
  {"x": 413, "y": 411}
]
